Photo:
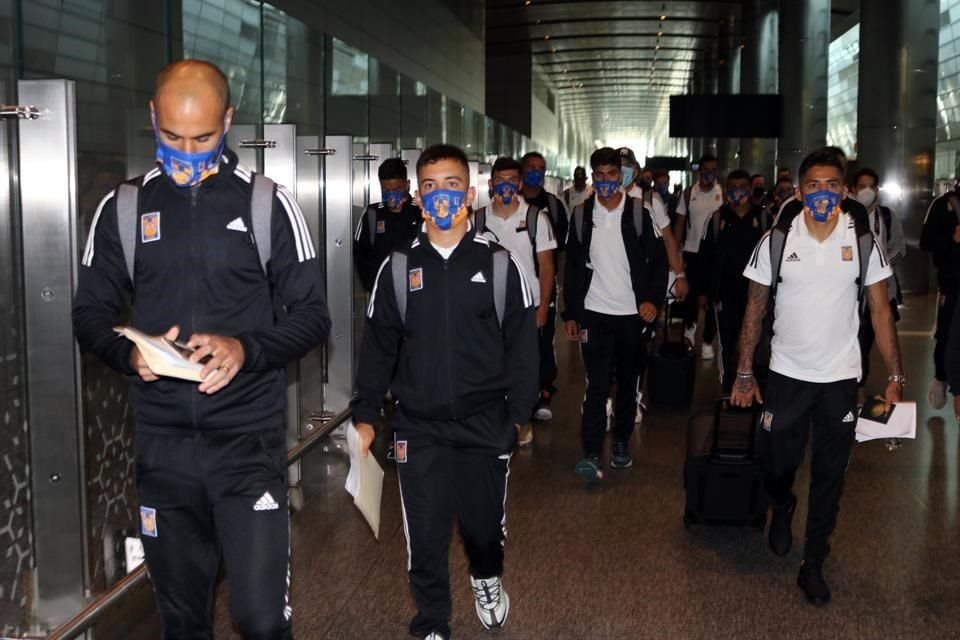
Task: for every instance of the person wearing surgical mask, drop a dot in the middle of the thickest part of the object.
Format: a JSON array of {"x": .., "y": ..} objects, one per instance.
[
  {"x": 885, "y": 223},
  {"x": 728, "y": 242},
  {"x": 451, "y": 331},
  {"x": 387, "y": 225},
  {"x": 211, "y": 470},
  {"x": 696, "y": 205},
  {"x": 815, "y": 359}
]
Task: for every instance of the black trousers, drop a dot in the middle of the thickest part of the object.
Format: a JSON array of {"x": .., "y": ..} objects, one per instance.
[
  {"x": 946, "y": 303},
  {"x": 729, "y": 320},
  {"x": 793, "y": 408},
  {"x": 548, "y": 357},
  {"x": 611, "y": 346},
  {"x": 207, "y": 495},
  {"x": 691, "y": 307},
  {"x": 451, "y": 469}
]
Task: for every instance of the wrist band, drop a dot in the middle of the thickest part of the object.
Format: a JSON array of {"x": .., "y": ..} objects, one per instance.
[{"x": 744, "y": 374}]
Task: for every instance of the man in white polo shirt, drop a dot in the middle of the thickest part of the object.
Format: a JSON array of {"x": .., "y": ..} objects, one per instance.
[
  {"x": 696, "y": 205},
  {"x": 524, "y": 230},
  {"x": 614, "y": 281},
  {"x": 827, "y": 262}
]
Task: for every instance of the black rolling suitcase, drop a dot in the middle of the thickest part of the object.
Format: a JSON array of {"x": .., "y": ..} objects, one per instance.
[
  {"x": 671, "y": 370},
  {"x": 723, "y": 478}
]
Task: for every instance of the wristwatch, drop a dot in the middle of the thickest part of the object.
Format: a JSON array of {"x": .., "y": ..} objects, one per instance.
[{"x": 899, "y": 378}]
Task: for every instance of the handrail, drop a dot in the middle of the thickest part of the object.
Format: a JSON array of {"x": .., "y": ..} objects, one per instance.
[{"x": 87, "y": 616}]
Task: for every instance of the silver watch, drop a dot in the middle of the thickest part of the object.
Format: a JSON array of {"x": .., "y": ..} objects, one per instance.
[{"x": 899, "y": 378}]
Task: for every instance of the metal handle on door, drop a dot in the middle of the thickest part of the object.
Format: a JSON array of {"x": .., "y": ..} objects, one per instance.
[
  {"x": 258, "y": 144},
  {"x": 367, "y": 158},
  {"x": 320, "y": 152},
  {"x": 16, "y": 111}
]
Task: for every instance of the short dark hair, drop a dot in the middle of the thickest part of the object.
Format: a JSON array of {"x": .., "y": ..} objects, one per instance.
[
  {"x": 708, "y": 157},
  {"x": 438, "y": 152},
  {"x": 392, "y": 169},
  {"x": 757, "y": 175},
  {"x": 738, "y": 174},
  {"x": 505, "y": 163},
  {"x": 836, "y": 150},
  {"x": 532, "y": 154},
  {"x": 825, "y": 157},
  {"x": 866, "y": 171},
  {"x": 604, "y": 155},
  {"x": 786, "y": 179}
]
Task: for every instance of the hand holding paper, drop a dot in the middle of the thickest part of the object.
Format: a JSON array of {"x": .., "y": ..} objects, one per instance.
[
  {"x": 364, "y": 480},
  {"x": 877, "y": 423}
]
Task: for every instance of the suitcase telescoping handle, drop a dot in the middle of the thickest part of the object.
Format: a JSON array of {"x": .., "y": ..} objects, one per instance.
[
  {"x": 723, "y": 404},
  {"x": 667, "y": 317}
]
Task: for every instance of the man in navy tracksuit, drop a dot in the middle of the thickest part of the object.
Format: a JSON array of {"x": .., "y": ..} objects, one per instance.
[
  {"x": 451, "y": 331},
  {"x": 385, "y": 226},
  {"x": 210, "y": 458}
]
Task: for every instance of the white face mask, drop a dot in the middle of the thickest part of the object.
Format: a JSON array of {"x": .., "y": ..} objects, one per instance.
[{"x": 867, "y": 197}]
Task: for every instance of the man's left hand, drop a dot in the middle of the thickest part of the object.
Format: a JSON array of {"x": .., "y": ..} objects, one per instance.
[
  {"x": 226, "y": 358},
  {"x": 543, "y": 314},
  {"x": 892, "y": 395},
  {"x": 648, "y": 312},
  {"x": 680, "y": 289}
]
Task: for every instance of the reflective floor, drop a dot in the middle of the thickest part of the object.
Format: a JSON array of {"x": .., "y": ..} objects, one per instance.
[{"x": 616, "y": 562}]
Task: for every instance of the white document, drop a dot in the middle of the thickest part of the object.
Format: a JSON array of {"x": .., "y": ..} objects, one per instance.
[
  {"x": 364, "y": 481},
  {"x": 902, "y": 423},
  {"x": 164, "y": 357}
]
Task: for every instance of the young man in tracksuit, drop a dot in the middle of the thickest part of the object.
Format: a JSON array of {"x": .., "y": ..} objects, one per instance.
[
  {"x": 616, "y": 276},
  {"x": 525, "y": 231},
  {"x": 210, "y": 458},
  {"x": 385, "y": 226},
  {"x": 729, "y": 238},
  {"x": 815, "y": 355},
  {"x": 451, "y": 330},
  {"x": 533, "y": 168}
]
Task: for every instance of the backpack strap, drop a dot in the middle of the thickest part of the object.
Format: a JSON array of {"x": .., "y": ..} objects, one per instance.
[
  {"x": 715, "y": 223},
  {"x": 778, "y": 240},
  {"x": 128, "y": 197},
  {"x": 687, "y": 194},
  {"x": 501, "y": 265},
  {"x": 954, "y": 204},
  {"x": 533, "y": 217},
  {"x": 865, "y": 242},
  {"x": 553, "y": 207},
  {"x": 480, "y": 220},
  {"x": 578, "y": 221},
  {"x": 261, "y": 215},
  {"x": 398, "y": 269},
  {"x": 371, "y": 214},
  {"x": 637, "y": 213}
]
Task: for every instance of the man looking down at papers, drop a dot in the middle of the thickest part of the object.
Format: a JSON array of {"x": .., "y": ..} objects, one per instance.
[
  {"x": 202, "y": 248},
  {"x": 451, "y": 331}
]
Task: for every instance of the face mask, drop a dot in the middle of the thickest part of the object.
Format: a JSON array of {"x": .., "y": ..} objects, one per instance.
[
  {"x": 188, "y": 169},
  {"x": 394, "y": 199},
  {"x": 821, "y": 204},
  {"x": 758, "y": 193},
  {"x": 645, "y": 184},
  {"x": 738, "y": 196},
  {"x": 606, "y": 188},
  {"x": 444, "y": 207},
  {"x": 628, "y": 173},
  {"x": 663, "y": 190},
  {"x": 709, "y": 177},
  {"x": 506, "y": 191},
  {"x": 533, "y": 178},
  {"x": 783, "y": 194},
  {"x": 867, "y": 197}
]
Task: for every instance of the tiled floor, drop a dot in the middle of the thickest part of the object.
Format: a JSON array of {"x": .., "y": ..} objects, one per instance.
[{"x": 616, "y": 562}]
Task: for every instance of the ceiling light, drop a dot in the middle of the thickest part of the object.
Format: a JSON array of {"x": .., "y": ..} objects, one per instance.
[
  {"x": 527, "y": 3},
  {"x": 659, "y": 33},
  {"x": 662, "y": 18},
  {"x": 546, "y": 37}
]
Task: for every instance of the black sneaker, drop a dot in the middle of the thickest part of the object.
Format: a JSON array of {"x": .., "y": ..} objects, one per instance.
[
  {"x": 590, "y": 469},
  {"x": 543, "y": 412},
  {"x": 780, "y": 534},
  {"x": 814, "y": 586},
  {"x": 621, "y": 456}
]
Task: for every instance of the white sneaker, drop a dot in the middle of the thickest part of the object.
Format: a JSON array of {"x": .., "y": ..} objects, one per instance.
[
  {"x": 609, "y": 413},
  {"x": 493, "y": 604},
  {"x": 937, "y": 395},
  {"x": 690, "y": 334},
  {"x": 641, "y": 409},
  {"x": 706, "y": 351},
  {"x": 525, "y": 435},
  {"x": 434, "y": 635}
]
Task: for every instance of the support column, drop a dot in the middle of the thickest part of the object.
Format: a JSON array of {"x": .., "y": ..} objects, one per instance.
[
  {"x": 759, "y": 75},
  {"x": 804, "y": 44},
  {"x": 897, "y": 104},
  {"x": 728, "y": 72}
]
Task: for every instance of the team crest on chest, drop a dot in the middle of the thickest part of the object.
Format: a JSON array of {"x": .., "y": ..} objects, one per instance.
[
  {"x": 415, "y": 279},
  {"x": 381, "y": 226},
  {"x": 150, "y": 227},
  {"x": 846, "y": 252}
]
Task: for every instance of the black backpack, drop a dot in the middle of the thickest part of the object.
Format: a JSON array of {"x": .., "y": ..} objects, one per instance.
[{"x": 533, "y": 217}]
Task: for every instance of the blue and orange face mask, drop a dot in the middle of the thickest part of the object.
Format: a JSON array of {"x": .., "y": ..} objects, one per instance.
[
  {"x": 444, "y": 207},
  {"x": 394, "y": 199},
  {"x": 189, "y": 169},
  {"x": 505, "y": 191}
]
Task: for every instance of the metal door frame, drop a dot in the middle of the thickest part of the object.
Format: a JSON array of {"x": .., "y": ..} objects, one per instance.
[{"x": 338, "y": 255}]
